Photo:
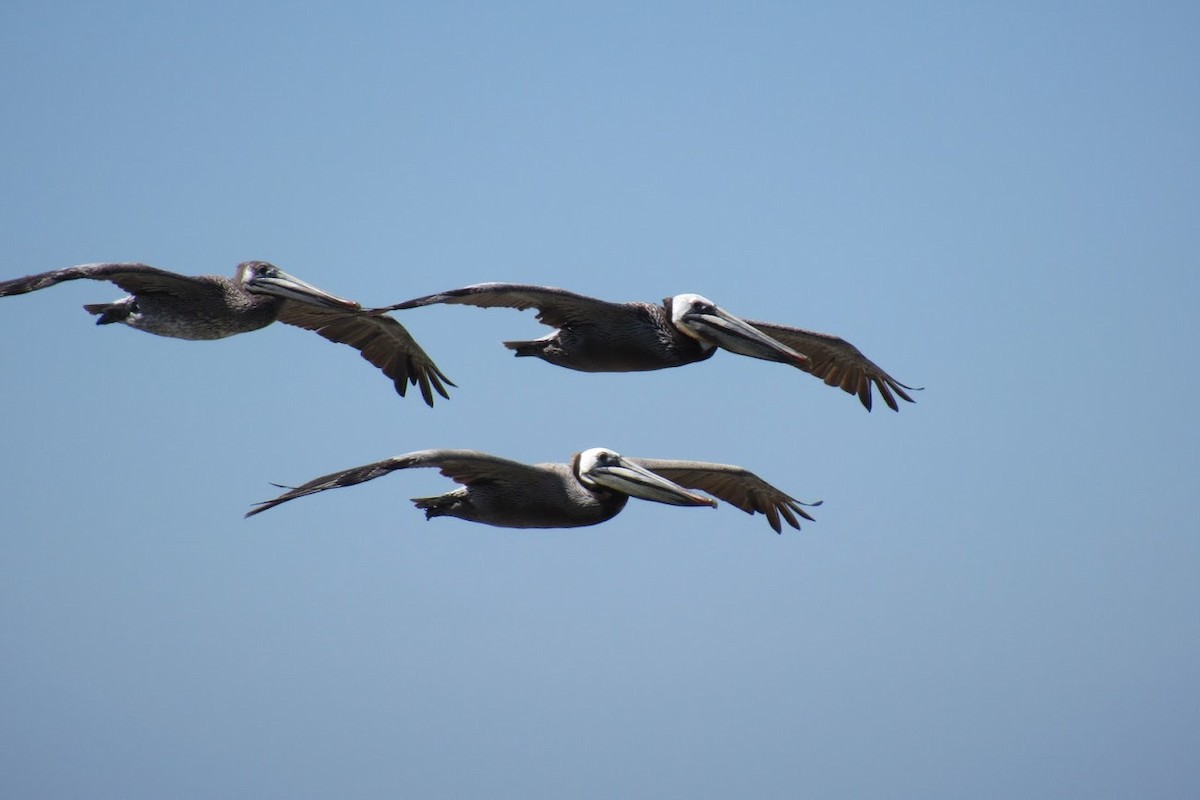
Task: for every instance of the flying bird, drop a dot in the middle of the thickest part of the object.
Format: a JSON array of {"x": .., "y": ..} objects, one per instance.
[
  {"x": 598, "y": 336},
  {"x": 213, "y": 307},
  {"x": 593, "y": 488}
]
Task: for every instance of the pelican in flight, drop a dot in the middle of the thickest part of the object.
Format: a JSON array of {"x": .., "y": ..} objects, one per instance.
[
  {"x": 598, "y": 336},
  {"x": 593, "y": 488},
  {"x": 213, "y": 307}
]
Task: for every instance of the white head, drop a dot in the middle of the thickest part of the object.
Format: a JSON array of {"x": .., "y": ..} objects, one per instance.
[
  {"x": 601, "y": 469},
  {"x": 698, "y": 317},
  {"x": 682, "y": 305}
]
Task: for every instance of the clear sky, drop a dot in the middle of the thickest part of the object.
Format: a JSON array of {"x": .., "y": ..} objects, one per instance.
[{"x": 997, "y": 201}]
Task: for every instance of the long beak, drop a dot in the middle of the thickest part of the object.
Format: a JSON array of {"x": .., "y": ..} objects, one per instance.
[
  {"x": 292, "y": 288},
  {"x": 738, "y": 336},
  {"x": 637, "y": 481}
]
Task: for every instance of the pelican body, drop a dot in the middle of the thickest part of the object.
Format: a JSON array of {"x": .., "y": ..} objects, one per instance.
[
  {"x": 214, "y": 307},
  {"x": 598, "y": 336},
  {"x": 593, "y": 488}
]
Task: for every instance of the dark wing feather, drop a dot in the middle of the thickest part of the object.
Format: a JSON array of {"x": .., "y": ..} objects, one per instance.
[
  {"x": 557, "y": 308},
  {"x": 463, "y": 466},
  {"x": 735, "y": 485},
  {"x": 380, "y": 339},
  {"x": 471, "y": 466},
  {"x": 839, "y": 363},
  {"x": 133, "y": 278}
]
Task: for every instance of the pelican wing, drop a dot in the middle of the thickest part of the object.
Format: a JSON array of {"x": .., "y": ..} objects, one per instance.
[
  {"x": 133, "y": 278},
  {"x": 380, "y": 339},
  {"x": 463, "y": 466},
  {"x": 471, "y": 466},
  {"x": 838, "y": 363},
  {"x": 557, "y": 308},
  {"x": 734, "y": 485}
]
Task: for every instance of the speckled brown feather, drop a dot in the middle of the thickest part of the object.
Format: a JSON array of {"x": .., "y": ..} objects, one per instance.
[
  {"x": 838, "y": 363},
  {"x": 735, "y": 485},
  {"x": 380, "y": 339}
]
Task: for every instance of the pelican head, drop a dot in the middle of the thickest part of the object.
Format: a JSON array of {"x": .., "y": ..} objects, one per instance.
[
  {"x": 701, "y": 319},
  {"x": 601, "y": 468},
  {"x": 260, "y": 277}
]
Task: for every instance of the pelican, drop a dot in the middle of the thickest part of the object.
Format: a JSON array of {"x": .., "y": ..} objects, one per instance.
[
  {"x": 593, "y": 488},
  {"x": 213, "y": 307},
  {"x": 598, "y": 336}
]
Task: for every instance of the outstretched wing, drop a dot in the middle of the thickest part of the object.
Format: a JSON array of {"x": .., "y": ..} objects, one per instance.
[
  {"x": 557, "y": 308},
  {"x": 380, "y": 339},
  {"x": 838, "y": 363},
  {"x": 133, "y": 278},
  {"x": 735, "y": 485},
  {"x": 463, "y": 466}
]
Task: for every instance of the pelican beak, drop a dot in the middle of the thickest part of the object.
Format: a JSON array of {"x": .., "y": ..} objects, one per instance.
[
  {"x": 281, "y": 284},
  {"x": 634, "y": 480},
  {"x": 738, "y": 336}
]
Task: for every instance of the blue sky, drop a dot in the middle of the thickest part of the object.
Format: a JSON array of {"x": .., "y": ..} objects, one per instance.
[{"x": 999, "y": 596}]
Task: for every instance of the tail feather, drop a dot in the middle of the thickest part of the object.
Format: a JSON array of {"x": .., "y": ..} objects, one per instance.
[
  {"x": 443, "y": 505},
  {"x": 534, "y": 348},
  {"x": 109, "y": 313}
]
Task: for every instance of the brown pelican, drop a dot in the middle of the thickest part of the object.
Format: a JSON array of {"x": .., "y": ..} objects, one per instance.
[
  {"x": 598, "y": 336},
  {"x": 593, "y": 488},
  {"x": 213, "y": 307}
]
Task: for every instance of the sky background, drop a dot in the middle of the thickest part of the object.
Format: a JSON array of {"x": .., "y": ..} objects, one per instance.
[{"x": 996, "y": 201}]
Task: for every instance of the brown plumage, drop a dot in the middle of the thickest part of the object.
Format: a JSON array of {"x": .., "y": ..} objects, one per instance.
[
  {"x": 839, "y": 363},
  {"x": 214, "y": 307},
  {"x": 591, "y": 489},
  {"x": 598, "y": 336}
]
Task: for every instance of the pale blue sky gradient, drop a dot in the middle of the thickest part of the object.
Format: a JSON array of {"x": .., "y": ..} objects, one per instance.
[{"x": 999, "y": 597}]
